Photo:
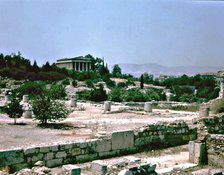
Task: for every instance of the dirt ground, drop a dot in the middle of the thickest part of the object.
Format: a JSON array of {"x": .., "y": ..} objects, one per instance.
[{"x": 84, "y": 122}]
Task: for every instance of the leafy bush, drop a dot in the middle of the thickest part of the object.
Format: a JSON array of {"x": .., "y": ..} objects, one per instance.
[
  {"x": 134, "y": 95},
  {"x": 84, "y": 95},
  {"x": 152, "y": 95},
  {"x": 89, "y": 84},
  {"x": 188, "y": 98},
  {"x": 122, "y": 85},
  {"x": 98, "y": 94},
  {"x": 31, "y": 88},
  {"x": 47, "y": 110},
  {"x": 14, "y": 109},
  {"x": 116, "y": 95},
  {"x": 56, "y": 92},
  {"x": 65, "y": 82},
  {"x": 110, "y": 83},
  {"x": 74, "y": 83}
]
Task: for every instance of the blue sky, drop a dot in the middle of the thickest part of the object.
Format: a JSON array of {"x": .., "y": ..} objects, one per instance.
[{"x": 168, "y": 32}]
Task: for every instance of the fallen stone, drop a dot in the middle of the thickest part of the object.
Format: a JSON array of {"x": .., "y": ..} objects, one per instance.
[
  {"x": 39, "y": 163},
  {"x": 72, "y": 169},
  {"x": 98, "y": 167},
  {"x": 125, "y": 172}
]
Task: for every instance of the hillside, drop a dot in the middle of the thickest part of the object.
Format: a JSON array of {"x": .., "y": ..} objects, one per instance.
[{"x": 156, "y": 69}]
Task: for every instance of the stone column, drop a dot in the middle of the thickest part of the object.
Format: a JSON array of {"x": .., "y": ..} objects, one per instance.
[
  {"x": 148, "y": 107},
  {"x": 25, "y": 98},
  {"x": 83, "y": 66},
  {"x": 6, "y": 98},
  {"x": 107, "y": 106},
  {"x": 73, "y": 103},
  {"x": 221, "y": 92},
  {"x": 80, "y": 66},
  {"x": 74, "y": 66},
  {"x": 203, "y": 111},
  {"x": 27, "y": 113},
  {"x": 197, "y": 152},
  {"x": 89, "y": 66},
  {"x": 86, "y": 66}
]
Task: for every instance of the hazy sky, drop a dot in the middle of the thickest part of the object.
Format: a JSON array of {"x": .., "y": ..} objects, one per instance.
[{"x": 168, "y": 32}]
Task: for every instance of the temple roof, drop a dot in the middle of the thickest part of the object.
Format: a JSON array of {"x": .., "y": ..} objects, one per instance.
[{"x": 79, "y": 58}]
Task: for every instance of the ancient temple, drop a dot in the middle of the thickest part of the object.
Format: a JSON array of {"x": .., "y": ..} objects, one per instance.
[{"x": 76, "y": 64}]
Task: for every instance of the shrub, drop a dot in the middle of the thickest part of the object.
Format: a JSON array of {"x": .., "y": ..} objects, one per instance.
[
  {"x": 98, "y": 94},
  {"x": 89, "y": 84},
  {"x": 14, "y": 109},
  {"x": 84, "y": 95},
  {"x": 110, "y": 83},
  {"x": 188, "y": 98},
  {"x": 56, "y": 92},
  {"x": 152, "y": 95},
  {"x": 74, "y": 83},
  {"x": 134, "y": 95},
  {"x": 116, "y": 95},
  {"x": 122, "y": 85},
  {"x": 65, "y": 82},
  {"x": 47, "y": 110},
  {"x": 31, "y": 88}
]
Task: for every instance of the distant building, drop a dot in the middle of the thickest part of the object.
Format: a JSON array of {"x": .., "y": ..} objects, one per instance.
[
  {"x": 163, "y": 77},
  {"x": 76, "y": 64}
]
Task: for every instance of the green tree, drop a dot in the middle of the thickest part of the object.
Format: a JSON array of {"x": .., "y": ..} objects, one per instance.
[
  {"x": 116, "y": 72},
  {"x": 14, "y": 109},
  {"x": 141, "y": 82},
  {"x": 47, "y": 110}
]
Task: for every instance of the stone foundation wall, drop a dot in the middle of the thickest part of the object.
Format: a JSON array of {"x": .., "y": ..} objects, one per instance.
[
  {"x": 214, "y": 124},
  {"x": 215, "y": 150},
  {"x": 118, "y": 143}
]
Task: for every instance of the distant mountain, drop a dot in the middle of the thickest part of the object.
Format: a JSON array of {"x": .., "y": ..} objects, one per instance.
[{"x": 156, "y": 69}]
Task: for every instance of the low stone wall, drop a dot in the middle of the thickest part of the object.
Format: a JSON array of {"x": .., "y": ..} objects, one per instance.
[
  {"x": 118, "y": 143},
  {"x": 215, "y": 150},
  {"x": 159, "y": 136},
  {"x": 214, "y": 124}
]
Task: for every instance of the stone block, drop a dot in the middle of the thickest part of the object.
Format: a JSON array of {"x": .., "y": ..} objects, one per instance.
[
  {"x": 44, "y": 149},
  {"x": 31, "y": 151},
  {"x": 75, "y": 151},
  {"x": 54, "y": 162},
  {"x": 103, "y": 145},
  {"x": 107, "y": 106},
  {"x": 37, "y": 157},
  {"x": 54, "y": 148},
  {"x": 72, "y": 169},
  {"x": 61, "y": 154},
  {"x": 83, "y": 144},
  {"x": 86, "y": 157},
  {"x": 11, "y": 157},
  {"x": 49, "y": 156},
  {"x": 98, "y": 167},
  {"x": 148, "y": 107},
  {"x": 122, "y": 139},
  {"x": 66, "y": 146}
]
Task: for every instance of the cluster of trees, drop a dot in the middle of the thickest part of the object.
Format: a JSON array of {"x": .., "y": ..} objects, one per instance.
[
  {"x": 192, "y": 88},
  {"x": 46, "y": 102},
  {"x": 17, "y": 67}
]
